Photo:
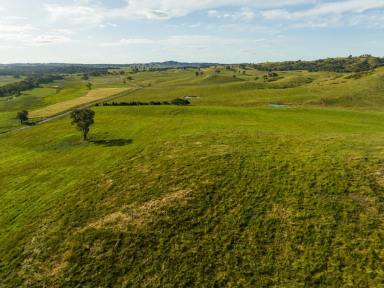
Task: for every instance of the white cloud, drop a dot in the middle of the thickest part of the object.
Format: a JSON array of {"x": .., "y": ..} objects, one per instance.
[
  {"x": 15, "y": 28},
  {"x": 213, "y": 13},
  {"x": 46, "y": 39},
  {"x": 180, "y": 41},
  {"x": 330, "y": 8},
  {"x": 373, "y": 20},
  {"x": 127, "y": 41},
  {"x": 108, "y": 24},
  {"x": 15, "y": 32},
  {"x": 77, "y": 14},
  {"x": 244, "y": 13},
  {"x": 85, "y": 12},
  {"x": 367, "y": 13},
  {"x": 27, "y": 35},
  {"x": 164, "y": 9},
  {"x": 350, "y": 6}
]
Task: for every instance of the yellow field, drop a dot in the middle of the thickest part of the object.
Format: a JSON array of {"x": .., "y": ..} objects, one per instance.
[{"x": 93, "y": 96}]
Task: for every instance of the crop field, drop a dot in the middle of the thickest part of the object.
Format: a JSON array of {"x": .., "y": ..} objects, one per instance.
[
  {"x": 91, "y": 97},
  {"x": 226, "y": 192}
]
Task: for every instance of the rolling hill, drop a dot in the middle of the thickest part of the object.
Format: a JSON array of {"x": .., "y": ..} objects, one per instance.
[{"x": 227, "y": 192}]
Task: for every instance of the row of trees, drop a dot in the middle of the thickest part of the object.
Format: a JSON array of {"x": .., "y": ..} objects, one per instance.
[{"x": 178, "y": 101}]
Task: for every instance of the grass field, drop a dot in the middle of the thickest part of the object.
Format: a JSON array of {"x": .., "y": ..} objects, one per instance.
[{"x": 227, "y": 192}]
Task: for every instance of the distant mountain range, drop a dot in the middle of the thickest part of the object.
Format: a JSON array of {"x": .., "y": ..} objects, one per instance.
[
  {"x": 166, "y": 64},
  {"x": 175, "y": 64},
  {"x": 66, "y": 68}
]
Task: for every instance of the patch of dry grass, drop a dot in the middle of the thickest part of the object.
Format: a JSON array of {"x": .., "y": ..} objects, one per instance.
[{"x": 138, "y": 215}]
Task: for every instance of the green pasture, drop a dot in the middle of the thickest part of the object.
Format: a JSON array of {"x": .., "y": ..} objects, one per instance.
[{"x": 226, "y": 192}]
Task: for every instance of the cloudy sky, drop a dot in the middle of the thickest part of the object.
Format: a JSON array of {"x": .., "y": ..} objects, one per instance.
[{"x": 227, "y": 31}]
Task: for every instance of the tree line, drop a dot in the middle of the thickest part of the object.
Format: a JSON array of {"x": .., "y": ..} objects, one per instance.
[
  {"x": 347, "y": 64},
  {"x": 27, "y": 84}
]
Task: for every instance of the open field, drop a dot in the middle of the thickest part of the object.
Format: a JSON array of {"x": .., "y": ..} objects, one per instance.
[
  {"x": 321, "y": 89},
  {"x": 8, "y": 80},
  {"x": 227, "y": 192},
  {"x": 71, "y": 87},
  {"x": 91, "y": 97}
]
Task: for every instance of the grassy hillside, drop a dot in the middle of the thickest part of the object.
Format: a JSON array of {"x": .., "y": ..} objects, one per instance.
[
  {"x": 225, "y": 193},
  {"x": 352, "y": 90}
]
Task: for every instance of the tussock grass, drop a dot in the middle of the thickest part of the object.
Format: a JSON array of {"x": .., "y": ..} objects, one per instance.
[
  {"x": 290, "y": 197},
  {"x": 225, "y": 193}
]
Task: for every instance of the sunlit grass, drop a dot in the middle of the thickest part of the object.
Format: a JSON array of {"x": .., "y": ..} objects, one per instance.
[{"x": 227, "y": 192}]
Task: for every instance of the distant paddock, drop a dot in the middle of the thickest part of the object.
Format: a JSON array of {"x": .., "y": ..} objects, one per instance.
[{"x": 91, "y": 97}]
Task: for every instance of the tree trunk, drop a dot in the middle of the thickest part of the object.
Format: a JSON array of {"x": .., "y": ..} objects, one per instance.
[{"x": 85, "y": 132}]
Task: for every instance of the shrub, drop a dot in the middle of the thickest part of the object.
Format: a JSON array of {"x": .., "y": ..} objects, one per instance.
[{"x": 181, "y": 102}]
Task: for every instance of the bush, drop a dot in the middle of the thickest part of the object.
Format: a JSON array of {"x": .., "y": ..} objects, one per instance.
[{"x": 179, "y": 101}]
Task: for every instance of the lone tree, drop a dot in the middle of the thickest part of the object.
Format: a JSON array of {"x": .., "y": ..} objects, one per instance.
[
  {"x": 22, "y": 116},
  {"x": 89, "y": 85},
  {"x": 83, "y": 118}
]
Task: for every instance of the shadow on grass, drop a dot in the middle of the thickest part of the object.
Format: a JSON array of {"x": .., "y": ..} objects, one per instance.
[{"x": 112, "y": 142}]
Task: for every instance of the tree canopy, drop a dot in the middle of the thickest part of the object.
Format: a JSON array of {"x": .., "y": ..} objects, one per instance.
[
  {"x": 22, "y": 116},
  {"x": 83, "y": 119}
]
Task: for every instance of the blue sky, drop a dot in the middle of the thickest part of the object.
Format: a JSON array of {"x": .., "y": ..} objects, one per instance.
[{"x": 131, "y": 31}]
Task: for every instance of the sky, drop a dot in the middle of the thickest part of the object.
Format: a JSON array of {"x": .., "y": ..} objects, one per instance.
[{"x": 224, "y": 31}]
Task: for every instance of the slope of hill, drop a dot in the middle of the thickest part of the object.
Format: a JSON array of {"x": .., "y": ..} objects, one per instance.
[{"x": 227, "y": 192}]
